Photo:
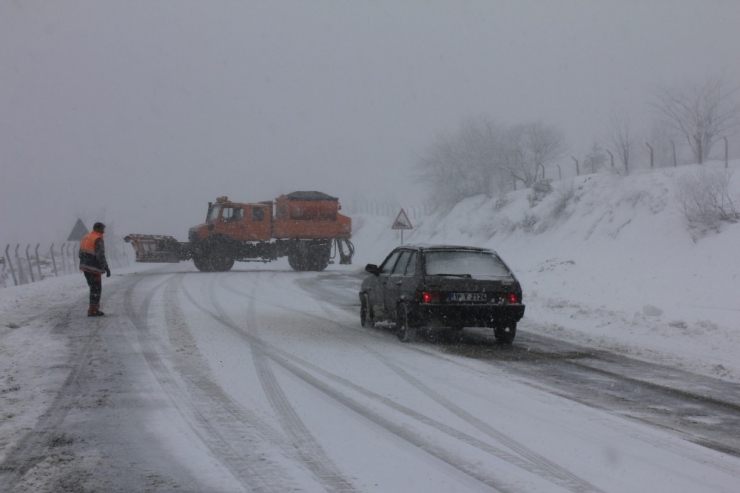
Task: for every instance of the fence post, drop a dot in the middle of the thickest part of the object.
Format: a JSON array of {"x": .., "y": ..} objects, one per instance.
[
  {"x": 21, "y": 274},
  {"x": 10, "y": 264},
  {"x": 74, "y": 258},
  {"x": 53, "y": 261},
  {"x": 578, "y": 170},
  {"x": 64, "y": 260},
  {"x": 673, "y": 144},
  {"x": 611, "y": 156},
  {"x": 30, "y": 267},
  {"x": 651, "y": 153},
  {"x": 38, "y": 263}
]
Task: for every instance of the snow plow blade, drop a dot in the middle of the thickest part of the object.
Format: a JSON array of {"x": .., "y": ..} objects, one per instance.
[{"x": 155, "y": 248}]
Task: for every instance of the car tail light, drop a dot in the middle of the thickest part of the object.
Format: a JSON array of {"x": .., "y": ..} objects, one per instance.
[
  {"x": 514, "y": 298},
  {"x": 431, "y": 297}
]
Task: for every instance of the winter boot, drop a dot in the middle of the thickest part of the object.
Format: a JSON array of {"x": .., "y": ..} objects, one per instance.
[{"x": 94, "y": 311}]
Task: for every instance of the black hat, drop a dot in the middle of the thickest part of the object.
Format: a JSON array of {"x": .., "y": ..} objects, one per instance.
[{"x": 98, "y": 226}]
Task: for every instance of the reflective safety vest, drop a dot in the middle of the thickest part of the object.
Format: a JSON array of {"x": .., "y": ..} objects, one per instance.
[{"x": 92, "y": 253}]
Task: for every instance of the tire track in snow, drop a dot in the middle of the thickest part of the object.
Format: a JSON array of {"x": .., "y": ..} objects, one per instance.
[
  {"x": 544, "y": 466},
  {"x": 300, "y": 445},
  {"x": 33, "y": 448},
  {"x": 721, "y": 401},
  {"x": 224, "y": 426},
  {"x": 527, "y": 459},
  {"x": 309, "y": 450}
]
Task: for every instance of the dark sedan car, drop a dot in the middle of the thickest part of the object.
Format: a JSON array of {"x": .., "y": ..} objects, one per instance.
[{"x": 442, "y": 286}]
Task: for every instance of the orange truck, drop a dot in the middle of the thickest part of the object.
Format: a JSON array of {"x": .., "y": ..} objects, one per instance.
[{"x": 306, "y": 227}]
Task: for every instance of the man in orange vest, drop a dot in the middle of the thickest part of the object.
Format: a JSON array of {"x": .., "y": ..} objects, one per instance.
[{"x": 93, "y": 264}]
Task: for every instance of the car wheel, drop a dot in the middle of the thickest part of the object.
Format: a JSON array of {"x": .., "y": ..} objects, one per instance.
[
  {"x": 406, "y": 331},
  {"x": 505, "y": 335},
  {"x": 366, "y": 315}
]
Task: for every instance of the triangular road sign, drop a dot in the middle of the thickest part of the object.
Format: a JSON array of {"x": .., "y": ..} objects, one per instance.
[
  {"x": 78, "y": 231},
  {"x": 402, "y": 221}
]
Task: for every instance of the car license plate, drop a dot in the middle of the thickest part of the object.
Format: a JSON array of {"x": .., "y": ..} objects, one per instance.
[{"x": 479, "y": 297}]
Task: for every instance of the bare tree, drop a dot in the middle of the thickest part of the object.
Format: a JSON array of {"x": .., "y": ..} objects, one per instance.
[
  {"x": 529, "y": 148},
  {"x": 622, "y": 138},
  {"x": 513, "y": 158},
  {"x": 545, "y": 144},
  {"x": 483, "y": 157},
  {"x": 702, "y": 113},
  {"x": 706, "y": 199},
  {"x": 463, "y": 164},
  {"x": 660, "y": 138}
]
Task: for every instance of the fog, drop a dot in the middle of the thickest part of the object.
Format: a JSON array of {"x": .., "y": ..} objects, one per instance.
[{"x": 138, "y": 113}]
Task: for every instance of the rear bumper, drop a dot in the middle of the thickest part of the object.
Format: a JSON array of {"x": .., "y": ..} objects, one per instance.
[{"x": 468, "y": 315}]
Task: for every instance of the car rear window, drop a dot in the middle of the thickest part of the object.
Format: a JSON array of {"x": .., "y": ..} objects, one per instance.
[{"x": 463, "y": 263}]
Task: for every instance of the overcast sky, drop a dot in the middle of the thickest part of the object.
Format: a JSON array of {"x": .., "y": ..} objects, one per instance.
[{"x": 140, "y": 112}]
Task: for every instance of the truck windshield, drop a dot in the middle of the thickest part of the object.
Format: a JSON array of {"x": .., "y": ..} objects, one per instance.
[{"x": 213, "y": 213}]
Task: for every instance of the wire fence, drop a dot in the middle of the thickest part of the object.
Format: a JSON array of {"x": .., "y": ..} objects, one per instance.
[
  {"x": 388, "y": 209},
  {"x": 23, "y": 265}
]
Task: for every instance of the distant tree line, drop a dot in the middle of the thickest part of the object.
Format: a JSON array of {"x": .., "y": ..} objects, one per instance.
[
  {"x": 488, "y": 157},
  {"x": 485, "y": 157}
]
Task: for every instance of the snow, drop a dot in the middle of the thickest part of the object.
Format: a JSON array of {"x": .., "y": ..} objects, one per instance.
[
  {"x": 613, "y": 267},
  {"x": 617, "y": 268}
]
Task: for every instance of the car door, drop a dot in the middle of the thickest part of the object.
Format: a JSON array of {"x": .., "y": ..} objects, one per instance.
[
  {"x": 395, "y": 284},
  {"x": 378, "y": 297}
]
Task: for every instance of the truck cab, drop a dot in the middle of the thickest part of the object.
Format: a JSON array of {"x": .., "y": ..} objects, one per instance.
[{"x": 237, "y": 221}]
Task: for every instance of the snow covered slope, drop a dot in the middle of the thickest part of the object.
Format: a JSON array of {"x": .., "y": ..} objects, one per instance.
[{"x": 606, "y": 261}]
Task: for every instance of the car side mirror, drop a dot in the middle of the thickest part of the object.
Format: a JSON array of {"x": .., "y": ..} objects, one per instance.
[{"x": 372, "y": 269}]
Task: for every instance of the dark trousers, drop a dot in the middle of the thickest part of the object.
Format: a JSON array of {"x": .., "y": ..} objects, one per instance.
[{"x": 95, "y": 281}]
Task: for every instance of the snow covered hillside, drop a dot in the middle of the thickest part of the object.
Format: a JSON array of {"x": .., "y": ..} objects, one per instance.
[{"x": 606, "y": 261}]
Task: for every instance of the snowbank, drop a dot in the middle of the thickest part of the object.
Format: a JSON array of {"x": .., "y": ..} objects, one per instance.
[{"x": 605, "y": 261}]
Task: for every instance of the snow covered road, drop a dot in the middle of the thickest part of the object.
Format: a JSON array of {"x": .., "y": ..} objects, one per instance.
[{"x": 262, "y": 379}]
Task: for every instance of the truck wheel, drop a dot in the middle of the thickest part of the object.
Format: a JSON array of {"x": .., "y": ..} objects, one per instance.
[
  {"x": 221, "y": 261},
  {"x": 318, "y": 257},
  {"x": 405, "y": 329},
  {"x": 201, "y": 263},
  {"x": 316, "y": 263},
  {"x": 297, "y": 262},
  {"x": 505, "y": 335},
  {"x": 219, "y": 254}
]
